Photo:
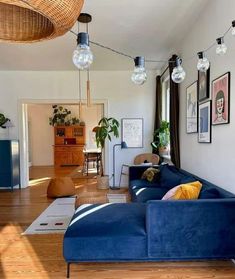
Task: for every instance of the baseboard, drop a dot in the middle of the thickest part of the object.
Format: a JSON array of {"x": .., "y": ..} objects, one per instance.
[{"x": 9, "y": 188}]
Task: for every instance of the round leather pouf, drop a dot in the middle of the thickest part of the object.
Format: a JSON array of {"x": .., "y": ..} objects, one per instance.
[{"x": 60, "y": 187}]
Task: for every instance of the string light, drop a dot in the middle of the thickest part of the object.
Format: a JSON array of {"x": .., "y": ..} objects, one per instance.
[
  {"x": 139, "y": 75},
  {"x": 203, "y": 64}
]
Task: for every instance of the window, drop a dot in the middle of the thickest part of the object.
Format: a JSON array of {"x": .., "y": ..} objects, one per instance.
[{"x": 166, "y": 99}]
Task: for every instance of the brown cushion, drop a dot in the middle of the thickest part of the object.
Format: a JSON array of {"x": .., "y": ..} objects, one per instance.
[{"x": 61, "y": 187}]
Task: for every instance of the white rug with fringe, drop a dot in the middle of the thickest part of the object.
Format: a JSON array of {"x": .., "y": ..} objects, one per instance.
[{"x": 54, "y": 219}]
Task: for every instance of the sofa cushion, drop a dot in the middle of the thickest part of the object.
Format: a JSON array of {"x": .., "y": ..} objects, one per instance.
[
  {"x": 168, "y": 178},
  {"x": 188, "y": 191},
  {"x": 146, "y": 194},
  {"x": 151, "y": 174},
  {"x": 106, "y": 232}
]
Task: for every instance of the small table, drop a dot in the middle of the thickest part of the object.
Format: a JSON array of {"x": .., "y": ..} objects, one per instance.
[{"x": 92, "y": 155}]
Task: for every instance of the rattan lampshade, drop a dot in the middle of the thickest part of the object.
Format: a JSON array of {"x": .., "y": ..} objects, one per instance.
[{"x": 36, "y": 20}]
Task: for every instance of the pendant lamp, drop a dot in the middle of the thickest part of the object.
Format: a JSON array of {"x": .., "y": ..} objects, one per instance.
[{"x": 25, "y": 21}]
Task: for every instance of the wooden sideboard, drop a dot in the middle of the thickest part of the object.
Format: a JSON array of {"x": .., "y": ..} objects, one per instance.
[{"x": 69, "y": 145}]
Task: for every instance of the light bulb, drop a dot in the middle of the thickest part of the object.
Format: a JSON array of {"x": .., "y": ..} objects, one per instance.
[
  {"x": 82, "y": 55},
  {"x": 233, "y": 27},
  {"x": 221, "y": 48},
  {"x": 203, "y": 64},
  {"x": 139, "y": 75},
  {"x": 178, "y": 74}
]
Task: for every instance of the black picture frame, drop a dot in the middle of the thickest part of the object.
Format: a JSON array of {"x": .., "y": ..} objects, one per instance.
[
  {"x": 203, "y": 85},
  {"x": 132, "y": 130},
  {"x": 226, "y": 94},
  {"x": 192, "y": 108},
  {"x": 204, "y": 122}
]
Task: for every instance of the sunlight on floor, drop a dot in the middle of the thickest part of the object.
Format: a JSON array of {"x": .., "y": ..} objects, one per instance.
[{"x": 38, "y": 181}]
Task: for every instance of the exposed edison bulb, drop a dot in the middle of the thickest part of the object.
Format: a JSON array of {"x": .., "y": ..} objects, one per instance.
[
  {"x": 203, "y": 63},
  {"x": 139, "y": 75},
  {"x": 221, "y": 48},
  {"x": 82, "y": 55},
  {"x": 178, "y": 74}
]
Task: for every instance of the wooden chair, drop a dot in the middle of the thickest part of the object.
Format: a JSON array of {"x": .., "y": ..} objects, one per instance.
[{"x": 146, "y": 157}]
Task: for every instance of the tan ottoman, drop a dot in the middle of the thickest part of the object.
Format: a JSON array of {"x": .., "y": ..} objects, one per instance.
[{"x": 61, "y": 187}]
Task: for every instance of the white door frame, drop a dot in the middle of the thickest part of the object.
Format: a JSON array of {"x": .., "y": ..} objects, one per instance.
[{"x": 23, "y": 132}]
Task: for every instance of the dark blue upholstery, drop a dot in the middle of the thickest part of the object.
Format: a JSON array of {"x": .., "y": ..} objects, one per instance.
[
  {"x": 113, "y": 232},
  {"x": 152, "y": 229},
  {"x": 202, "y": 229}
]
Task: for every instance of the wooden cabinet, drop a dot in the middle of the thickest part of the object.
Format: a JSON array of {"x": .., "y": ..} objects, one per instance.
[{"x": 69, "y": 144}]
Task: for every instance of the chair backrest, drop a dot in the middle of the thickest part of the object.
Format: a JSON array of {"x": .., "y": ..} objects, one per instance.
[{"x": 149, "y": 157}]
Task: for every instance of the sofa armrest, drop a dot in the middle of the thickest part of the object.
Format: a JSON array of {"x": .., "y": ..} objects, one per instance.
[
  {"x": 135, "y": 172},
  {"x": 191, "y": 229}
]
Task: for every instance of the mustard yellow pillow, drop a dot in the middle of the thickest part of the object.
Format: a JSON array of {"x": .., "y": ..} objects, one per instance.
[
  {"x": 151, "y": 174},
  {"x": 189, "y": 191}
]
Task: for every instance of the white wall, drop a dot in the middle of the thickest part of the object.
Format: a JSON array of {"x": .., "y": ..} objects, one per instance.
[
  {"x": 214, "y": 161},
  {"x": 125, "y": 99}
]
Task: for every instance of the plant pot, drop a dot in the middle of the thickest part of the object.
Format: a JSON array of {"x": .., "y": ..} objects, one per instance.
[
  {"x": 103, "y": 182},
  {"x": 164, "y": 150}
]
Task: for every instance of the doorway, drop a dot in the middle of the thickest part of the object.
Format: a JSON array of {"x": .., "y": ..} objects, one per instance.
[{"x": 37, "y": 136}]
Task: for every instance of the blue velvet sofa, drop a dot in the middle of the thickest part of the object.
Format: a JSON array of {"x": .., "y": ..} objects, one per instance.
[{"x": 150, "y": 229}]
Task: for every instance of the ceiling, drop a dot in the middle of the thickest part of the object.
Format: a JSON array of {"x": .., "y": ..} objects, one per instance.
[{"x": 149, "y": 28}]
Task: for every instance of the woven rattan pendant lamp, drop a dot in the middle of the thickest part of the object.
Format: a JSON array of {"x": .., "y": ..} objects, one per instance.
[{"x": 36, "y": 20}]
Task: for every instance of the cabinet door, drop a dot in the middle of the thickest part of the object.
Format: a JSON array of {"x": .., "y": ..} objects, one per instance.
[
  {"x": 63, "y": 158},
  {"x": 77, "y": 156}
]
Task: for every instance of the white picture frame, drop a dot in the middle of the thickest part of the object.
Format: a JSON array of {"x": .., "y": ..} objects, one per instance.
[
  {"x": 204, "y": 123},
  {"x": 132, "y": 132}
]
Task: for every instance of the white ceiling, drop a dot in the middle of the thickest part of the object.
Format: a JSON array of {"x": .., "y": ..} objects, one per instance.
[{"x": 150, "y": 28}]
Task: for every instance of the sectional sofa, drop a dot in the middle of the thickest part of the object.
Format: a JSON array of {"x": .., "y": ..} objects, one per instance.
[{"x": 151, "y": 229}]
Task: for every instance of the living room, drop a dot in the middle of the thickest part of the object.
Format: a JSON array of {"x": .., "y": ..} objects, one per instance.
[{"x": 34, "y": 72}]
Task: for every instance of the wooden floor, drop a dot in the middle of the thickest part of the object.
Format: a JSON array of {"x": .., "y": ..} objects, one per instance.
[{"x": 40, "y": 256}]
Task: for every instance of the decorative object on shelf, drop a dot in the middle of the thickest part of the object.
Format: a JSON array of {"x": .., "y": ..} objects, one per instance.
[
  {"x": 162, "y": 138},
  {"x": 204, "y": 133},
  {"x": 59, "y": 115},
  {"x": 192, "y": 108},
  {"x": 31, "y": 21},
  {"x": 132, "y": 132},
  {"x": 203, "y": 85},
  {"x": 123, "y": 145},
  {"x": 221, "y": 100},
  {"x": 106, "y": 128},
  {"x": 3, "y": 120}
]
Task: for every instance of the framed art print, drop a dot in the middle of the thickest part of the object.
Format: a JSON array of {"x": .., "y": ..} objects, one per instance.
[
  {"x": 221, "y": 100},
  {"x": 191, "y": 119},
  {"x": 203, "y": 85},
  {"x": 204, "y": 122},
  {"x": 132, "y": 132}
]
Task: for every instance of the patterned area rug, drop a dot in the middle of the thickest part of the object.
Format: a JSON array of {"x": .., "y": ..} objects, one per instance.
[{"x": 54, "y": 219}]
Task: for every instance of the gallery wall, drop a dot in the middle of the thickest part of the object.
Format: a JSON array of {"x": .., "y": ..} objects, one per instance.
[
  {"x": 214, "y": 161},
  {"x": 125, "y": 99}
]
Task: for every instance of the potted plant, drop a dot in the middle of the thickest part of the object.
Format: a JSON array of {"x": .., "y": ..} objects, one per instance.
[
  {"x": 3, "y": 120},
  {"x": 162, "y": 138},
  {"x": 59, "y": 116},
  {"x": 107, "y": 127}
]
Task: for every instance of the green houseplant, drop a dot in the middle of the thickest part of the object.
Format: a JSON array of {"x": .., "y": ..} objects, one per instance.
[
  {"x": 59, "y": 116},
  {"x": 107, "y": 127},
  {"x": 3, "y": 120},
  {"x": 162, "y": 138}
]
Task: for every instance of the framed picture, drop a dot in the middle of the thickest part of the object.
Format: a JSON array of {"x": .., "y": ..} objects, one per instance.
[
  {"x": 192, "y": 109},
  {"x": 204, "y": 121},
  {"x": 203, "y": 85},
  {"x": 221, "y": 100},
  {"x": 132, "y": 132}
]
